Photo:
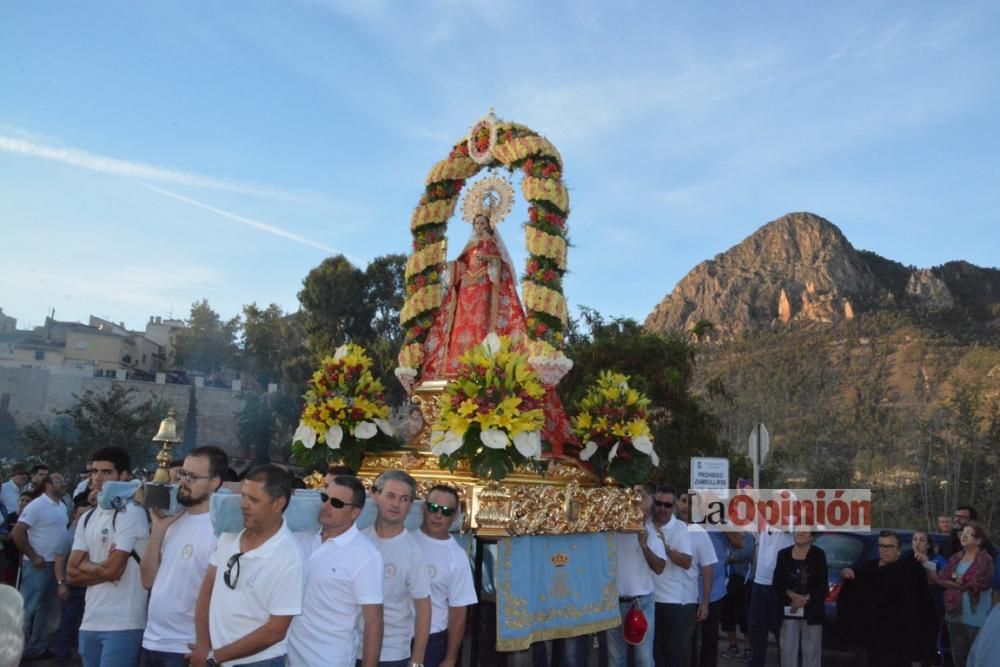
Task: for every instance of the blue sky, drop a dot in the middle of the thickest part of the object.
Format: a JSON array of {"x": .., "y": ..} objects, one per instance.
[{"x": 152, "y": 154}]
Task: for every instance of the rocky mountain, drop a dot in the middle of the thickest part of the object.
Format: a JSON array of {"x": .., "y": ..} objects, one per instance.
[
  {"x": 867, "y": 372},
  {"x": 801, "y": 268}
]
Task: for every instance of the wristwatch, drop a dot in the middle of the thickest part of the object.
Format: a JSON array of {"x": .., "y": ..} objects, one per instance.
[
  {"x": 416, "y": 664},
  {"x": 666, "y": 548},
  {"x": 210, "y": 660},
  {"x": 60, "y": 582}
]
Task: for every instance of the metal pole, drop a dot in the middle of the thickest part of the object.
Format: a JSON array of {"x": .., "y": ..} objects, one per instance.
[{"x": 756, "y": 461}]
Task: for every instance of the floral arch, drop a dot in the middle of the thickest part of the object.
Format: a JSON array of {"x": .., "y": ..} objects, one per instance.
[{"x": 491, "y": 143}]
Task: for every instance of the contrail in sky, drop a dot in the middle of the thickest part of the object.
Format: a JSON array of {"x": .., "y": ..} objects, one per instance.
[
  {"x": 128, "y": 168},
  {"x": 264, "y": 227}
]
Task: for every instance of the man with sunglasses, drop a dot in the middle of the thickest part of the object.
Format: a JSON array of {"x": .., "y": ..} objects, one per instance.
[
  {"x": 343, "y": 582},
  {"x": 675, "y": 620},
  {"x": 178, "y": 552},
  {"x": 450, "y": 576},
  {"x": 254, "y": 582},
  {"x": 407, "y": 604}
]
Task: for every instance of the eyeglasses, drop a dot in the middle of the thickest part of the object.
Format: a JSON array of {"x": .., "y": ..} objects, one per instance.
[
  {"x": 185, "y": 476},
  {"x": 228, "y": 576},
  {"x": 434, "y": 508},
  {"x": 335, "y": 502},
  {"x": 887, "y": 546},
  {"x": 660, "y": 503}
]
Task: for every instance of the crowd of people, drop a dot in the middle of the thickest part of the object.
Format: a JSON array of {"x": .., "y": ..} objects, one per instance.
[{"x": 137, "y": 587}]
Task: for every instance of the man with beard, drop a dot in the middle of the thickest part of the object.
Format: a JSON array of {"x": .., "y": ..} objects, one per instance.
[{"x": 177, "y": 556}]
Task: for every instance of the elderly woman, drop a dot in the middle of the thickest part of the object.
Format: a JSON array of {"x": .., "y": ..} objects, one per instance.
[
  {"x": 800, "y": 581},
  {"x": 967, "y": 580}
]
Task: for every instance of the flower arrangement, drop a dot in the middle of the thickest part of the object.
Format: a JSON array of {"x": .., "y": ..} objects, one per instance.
[
  {"x": 491, "y": 414},
  {"x": 344, "y": 409},
  {"x": 612, "y": 424},
  {"x": 491, "y": 142}
]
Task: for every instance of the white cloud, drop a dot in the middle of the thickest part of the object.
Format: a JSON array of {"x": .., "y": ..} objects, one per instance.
[
  {"x": 129, "y": 168},
  {"x": 256, "y": 224}
]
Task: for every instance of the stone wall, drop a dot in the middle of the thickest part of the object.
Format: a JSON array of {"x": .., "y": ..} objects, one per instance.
[{"x": 36, "y": 393}]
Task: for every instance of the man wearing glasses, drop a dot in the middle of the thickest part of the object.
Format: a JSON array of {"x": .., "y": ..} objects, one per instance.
[
  {"x": 675, "y": 620},
  {"x": 178, "y": 552},
  {"x": 450, "y": 576},
  {"x": 343, "y": 583},
  {"x": 254, "y": 582},
  {"x": 106, "y": 548},
  {"x": 407, "y": 605}
]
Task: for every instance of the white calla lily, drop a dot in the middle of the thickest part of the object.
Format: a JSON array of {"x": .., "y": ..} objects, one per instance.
[
  {"x": 645, "y": 445},
  {"x": 445, "y": 443},
  {"x": 306, "y": 435},
  {"x": 494, "y": 438},
  {"x": 655, "y": 459},
  {"x": 529, "y": 444},
  {"x": 613, "y": 453},
  {"x": 334, "y": 436},
  {"x": 340, "y": 353},
  {"x": 384, "y": 425},
  {"x": 492, "y": 343},
  {"x": 365, "y": 431},
  {"x": 589, "y": 450}
]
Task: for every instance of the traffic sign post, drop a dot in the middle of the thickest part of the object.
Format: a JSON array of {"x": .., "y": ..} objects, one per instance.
[{"x": 760, "y": 444}]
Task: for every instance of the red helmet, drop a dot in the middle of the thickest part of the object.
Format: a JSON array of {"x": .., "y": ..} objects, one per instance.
[{"x": 635, "y": 625}]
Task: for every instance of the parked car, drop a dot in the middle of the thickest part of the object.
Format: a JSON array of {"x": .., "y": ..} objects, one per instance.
[{"x": 851, "y": 550}]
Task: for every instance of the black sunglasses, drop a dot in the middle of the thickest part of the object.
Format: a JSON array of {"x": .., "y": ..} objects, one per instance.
[
  {"x": 434, "y": 508},
  {"x": 228, "y": 576},
  {"x": 335, "y": 502},
  {"x": 660, "y": 503}
]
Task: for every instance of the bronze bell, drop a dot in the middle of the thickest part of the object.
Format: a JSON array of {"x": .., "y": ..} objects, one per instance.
[{"x": 168, "y": 436}]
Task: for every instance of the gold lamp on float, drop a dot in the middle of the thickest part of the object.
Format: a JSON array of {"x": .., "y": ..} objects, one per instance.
[{"x": 168, "y": 436}]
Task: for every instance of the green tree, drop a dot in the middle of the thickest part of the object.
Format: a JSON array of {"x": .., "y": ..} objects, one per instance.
[
  {"x": 208, "y": 344},
  {"x": 273, "y": 342},
  {"x": 255, "y": 426},
  {"x": 98, "y": 419}
]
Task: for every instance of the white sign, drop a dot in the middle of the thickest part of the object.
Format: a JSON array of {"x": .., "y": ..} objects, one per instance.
[
  {"x": 709, "y": 474},
  {"x": 759, "y": 431}
]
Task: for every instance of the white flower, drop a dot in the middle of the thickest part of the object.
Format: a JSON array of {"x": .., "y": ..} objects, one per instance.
[
  {"x": 384, "y": 425},
  {"x": 306, "y": 435},
  {"x": 492, "y": 343},
  {"x": 645, "y": 445},
  {"x": 445, "y": 443},
  {"x": 334, "y": 435},
  {"x": 589, "y": 450},
  {"x": 613, "y": 453},
  {"x": 340, "y": 353},
  {"x": 494, "y": 438},
  {"x": 365, "y": 430},
  {"x": 529, "y": 444}
]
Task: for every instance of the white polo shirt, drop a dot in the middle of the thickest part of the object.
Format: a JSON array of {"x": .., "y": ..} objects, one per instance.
[
  {"x": 46, "y": 520},
  {"x": 670, "y": 583},
  {"x": 114, "y": 605},
  {"x": 704, "y": 554},
  {"x": 184, "y": 556},
  {"x": 770, "y": 542},
  {"x": 270, "y": 583},
  {"x": 634, "y": 576},
  {"x": 342, "y": 573},
  {"x": 405, "y": 581},
  {"x": 450, "y": 576}
]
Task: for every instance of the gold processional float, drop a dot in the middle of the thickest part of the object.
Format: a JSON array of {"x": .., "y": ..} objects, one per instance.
[{"x": 470, "y": 306}]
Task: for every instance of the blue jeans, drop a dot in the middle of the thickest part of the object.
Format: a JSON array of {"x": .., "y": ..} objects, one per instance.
[
  {"x": 267, "y": 662},
  {"x": 110, "y": 648},
  {"x": 573, "y": 651},
  {"x": 618, "y": 647},
  {"x": 150, "y": 658},
  {"x": 764, "y": 617},
  {"x": 69, "y": 622},
  {"x": 38, "y": 588},
  {"x": 405, "y": 662}
]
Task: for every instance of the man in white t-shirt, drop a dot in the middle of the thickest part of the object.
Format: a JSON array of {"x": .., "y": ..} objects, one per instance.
[
  {"x": 699, "y": 577},
  {"x": 406, "y": 608},
  {"x": 674, "y": 619},
  {"x": 17, "y": 482},
  {"x": 179, "y": 549},
  {"x": 106, "y": 549},
  {"x": 343, "y": 585},
  {"x": 640, "y": 558},
  {"x": 254, "y": 582},
  {"x": 452, "y": 589},
  {"x": 763, "y": 615},
  {"x": 36, "y": 534}
]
